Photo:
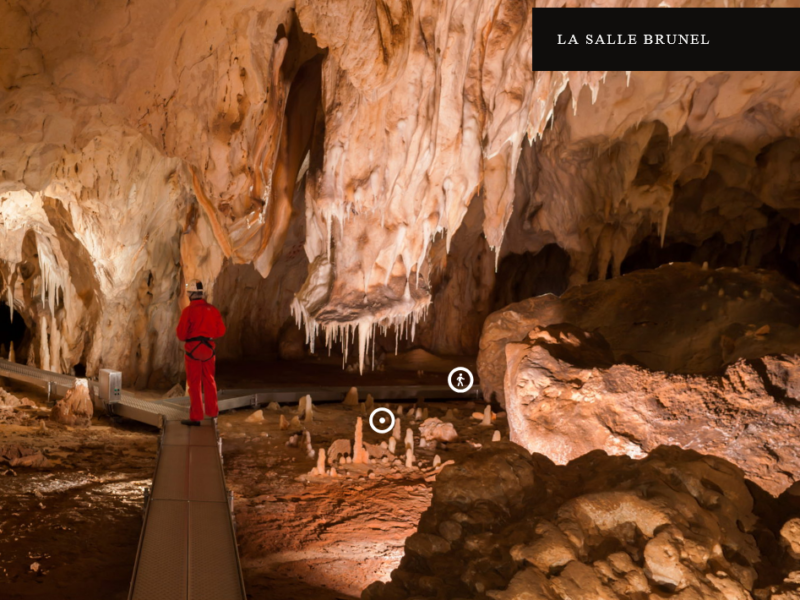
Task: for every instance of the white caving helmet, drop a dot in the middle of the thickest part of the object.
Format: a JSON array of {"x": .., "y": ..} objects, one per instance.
[{"x": 195, "y": 286}]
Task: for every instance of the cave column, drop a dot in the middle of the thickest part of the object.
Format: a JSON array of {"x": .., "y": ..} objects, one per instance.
[
  {"x": 44, "y": 350},
  {"x": 55, "y": 346}
]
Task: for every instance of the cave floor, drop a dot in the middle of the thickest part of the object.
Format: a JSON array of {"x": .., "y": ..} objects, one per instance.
[{"x": 299, "y": 537}]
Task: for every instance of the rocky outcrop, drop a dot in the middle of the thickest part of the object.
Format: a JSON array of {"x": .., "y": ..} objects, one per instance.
[
  {"x": 509, "y": 526},
  {"x": 566, "y": 397},
  {"x": 75, "y": 408},
  {"x": 679, "y": 318}
]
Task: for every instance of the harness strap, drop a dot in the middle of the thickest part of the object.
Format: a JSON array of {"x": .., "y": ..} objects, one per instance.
[{"x": 202, "y": 340}]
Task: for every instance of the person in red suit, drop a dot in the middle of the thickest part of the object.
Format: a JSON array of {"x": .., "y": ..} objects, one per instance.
[{"x": 200, "y": 324}]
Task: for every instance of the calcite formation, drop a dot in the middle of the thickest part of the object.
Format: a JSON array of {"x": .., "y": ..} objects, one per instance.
[
  {"x": 509, "y": 526},
  {"x": 433, "y": 429},
  {"x": 75, "y": 408},
  {"x": 355, "y": 161}
]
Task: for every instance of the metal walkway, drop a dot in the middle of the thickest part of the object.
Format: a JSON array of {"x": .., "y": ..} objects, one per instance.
[
  {"x": 187, "y": 550},
  {"x": 158, "y": 412}
]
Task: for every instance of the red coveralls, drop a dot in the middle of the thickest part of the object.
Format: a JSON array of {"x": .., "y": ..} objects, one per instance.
[{"x": 200, "y": 319}]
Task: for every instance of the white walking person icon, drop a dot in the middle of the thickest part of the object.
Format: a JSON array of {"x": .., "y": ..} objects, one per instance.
[{"x": 460, "y": 380}]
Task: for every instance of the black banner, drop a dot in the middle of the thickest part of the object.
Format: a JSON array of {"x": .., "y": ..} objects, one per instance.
[{"x": 665, "y": 39}]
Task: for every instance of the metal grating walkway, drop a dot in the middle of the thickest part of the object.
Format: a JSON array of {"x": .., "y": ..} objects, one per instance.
[{"x": 187, "y": 550}]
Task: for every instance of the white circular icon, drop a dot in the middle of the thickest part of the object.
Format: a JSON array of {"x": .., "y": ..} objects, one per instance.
[
  {"x": 381, "y": 420},
  {"x": 457, "y": 380}
]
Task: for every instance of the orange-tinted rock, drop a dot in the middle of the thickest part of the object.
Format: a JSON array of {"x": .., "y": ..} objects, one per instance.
[
  {"x": 599, "y": 528},
  {"x": 565, "y": 398},
  {"x": 75, "y": 408}
]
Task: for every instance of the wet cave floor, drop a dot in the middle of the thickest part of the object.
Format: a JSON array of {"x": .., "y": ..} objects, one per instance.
[{"x": 71, "y": 529}]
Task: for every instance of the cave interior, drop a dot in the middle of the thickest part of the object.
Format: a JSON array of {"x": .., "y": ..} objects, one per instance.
[{"x": 613, "y": 255}]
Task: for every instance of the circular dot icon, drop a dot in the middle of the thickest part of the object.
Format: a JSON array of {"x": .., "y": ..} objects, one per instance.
[
  {"x": 460, "y": 380},
  {"x": 381, "y": 420}
]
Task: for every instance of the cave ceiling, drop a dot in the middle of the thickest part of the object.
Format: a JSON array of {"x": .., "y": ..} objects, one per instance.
[{"x": 374, "y": 162}]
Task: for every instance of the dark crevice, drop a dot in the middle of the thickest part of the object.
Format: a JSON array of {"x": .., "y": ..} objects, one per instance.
[{"x": 522, "y": 276}]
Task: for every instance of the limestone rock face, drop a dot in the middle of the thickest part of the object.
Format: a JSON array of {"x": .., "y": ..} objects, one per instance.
[
  {"x": 599, "y": 528},
  {"x": 75, "y": 408},
  {"x": 622, "y": 367},
  {"x": 563, "y": 405},
  {"x": 679, "y": 318}
]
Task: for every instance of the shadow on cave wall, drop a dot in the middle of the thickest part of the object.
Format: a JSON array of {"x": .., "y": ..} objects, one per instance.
[{"x": 776, "y": 250}]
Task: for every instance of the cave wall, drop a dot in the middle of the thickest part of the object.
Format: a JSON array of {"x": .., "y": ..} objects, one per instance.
[{"x": 149, "y": 143}]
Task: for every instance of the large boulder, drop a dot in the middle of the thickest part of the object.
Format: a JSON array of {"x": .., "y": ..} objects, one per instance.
[
  {"x": 565, "y": 397},
  {"x": 679, "y": 318},
  {"x": 509, "y": 526}
]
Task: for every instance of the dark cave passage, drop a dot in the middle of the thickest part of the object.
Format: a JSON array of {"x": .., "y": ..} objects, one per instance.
[
  {"x": 522, "y": 276},
  {"x": 13, "y": 331}
]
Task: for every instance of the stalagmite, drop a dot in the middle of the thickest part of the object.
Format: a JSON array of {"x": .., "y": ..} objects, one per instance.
[
  {"x": 487, "y": 416},
  {"x": 273, "y": 406},
  {"x": 295, "y": 423},
  {"x": 425, "y": 413},
  {"x": 436, "y": 461},
  {"x": 409, "y": 441},
  {"x": 396, "y": 431},
  {"x": 321, "y": 461},
  {"x": 359, "y": 454},
  {"x": 308, "y": 409},
  {"x": 283, "y": 423},
  {"x": 255, "y": 417},
  {"x": 422, "y": 443},
  {"x": 351, "y": 399},
  {"x": 11, "y": 356},
  {"x": 333, "y": 472},
  {"x": 362, "y": 408},
  {"x": 75, "y": 408},
  {"x": 449, "y": 416},
  {"x": 392, "y": 445},
  {"x": 418, "y": 414},
  {"x": 409, "y": 458},
  {"x": 370, "y": 403},
  {"x": 399, "y": 411},
  {"x": 496, "y": 437},
  {"x": 309, "y": 448},
  {"x": 292, "y": 441}
]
